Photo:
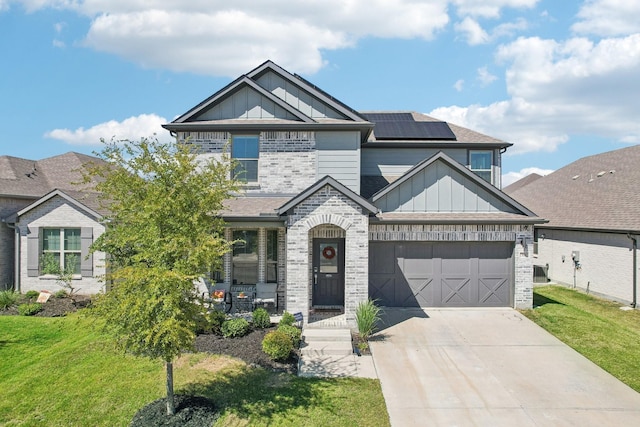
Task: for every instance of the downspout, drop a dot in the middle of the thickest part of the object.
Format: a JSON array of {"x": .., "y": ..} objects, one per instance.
[
  {"x": 635, "y": 269},
  {"x": 16, "y": 255}
]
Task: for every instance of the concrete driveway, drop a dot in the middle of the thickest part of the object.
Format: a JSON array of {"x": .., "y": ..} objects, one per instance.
[{"x": 490, "y": 367}]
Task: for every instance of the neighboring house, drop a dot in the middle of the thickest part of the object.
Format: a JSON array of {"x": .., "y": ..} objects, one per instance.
[
  {"x": 593, "y": 208},
  {"x": 340, "y": 205},
  {"x": 44, "y": 212}
]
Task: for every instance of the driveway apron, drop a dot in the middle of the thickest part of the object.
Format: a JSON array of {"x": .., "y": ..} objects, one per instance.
[{"x": 490, "y": 367}]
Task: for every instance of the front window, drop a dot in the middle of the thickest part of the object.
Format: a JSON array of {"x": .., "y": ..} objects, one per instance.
[
  {"x": 272, "y": 256},
  {"x": 244, "y": 151},
  {"x": 245, "y": 257},
  {"x": 480, "y": 163},
  {"x": 61, "y": 251}
]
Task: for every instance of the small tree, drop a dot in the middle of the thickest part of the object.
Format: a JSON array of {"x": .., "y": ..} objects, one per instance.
[
  {"x": 162, "y": 234},
  {"x": 50, "y": 265}
]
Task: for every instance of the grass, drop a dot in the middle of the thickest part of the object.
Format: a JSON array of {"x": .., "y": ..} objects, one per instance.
[
  {"x": 60, "y": 372},
  {"x": 594, "y": 327}
]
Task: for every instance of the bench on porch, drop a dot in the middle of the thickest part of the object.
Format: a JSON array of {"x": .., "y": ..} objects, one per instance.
[{"x": 266, "y": 294}]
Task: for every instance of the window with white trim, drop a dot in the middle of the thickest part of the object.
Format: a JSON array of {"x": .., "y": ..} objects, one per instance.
[
  {"x": 61, "y": 250},
  {"x": 245, "y": 152},
  {"x": 480, "y": 162},
  {"x": 272, "y": 256},
  {"x": 244, "y": 262}
]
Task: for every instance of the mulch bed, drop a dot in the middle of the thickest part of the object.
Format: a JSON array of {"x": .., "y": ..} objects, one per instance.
[
  {"x": 248, "y": 349},
  {"x": 55, "y": 307}
]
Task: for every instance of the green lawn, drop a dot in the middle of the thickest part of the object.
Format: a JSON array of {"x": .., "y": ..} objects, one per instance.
[
  {"x": 59, "y": 372},
  {"x": 596, "y": 328}
]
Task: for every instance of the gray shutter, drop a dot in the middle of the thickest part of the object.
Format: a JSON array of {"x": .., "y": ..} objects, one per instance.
[
  {"x": 86, "y": 266},
  {"x": 33, "y": 252}
]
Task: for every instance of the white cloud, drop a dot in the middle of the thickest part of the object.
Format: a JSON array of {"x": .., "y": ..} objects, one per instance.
[
  {"x": 511, "y": 177},
  {"x": 58, "y": 43},
  {"x": 472, "y": 31},
  {"x": 133, "y": 128},
  {"x": 459, "y": 85},
  {"x": 490, "y": 8},
  {"x": 608, "y": 18},
  {"x": 485, "y": 77},
  {"x": 560, "y": 89}
]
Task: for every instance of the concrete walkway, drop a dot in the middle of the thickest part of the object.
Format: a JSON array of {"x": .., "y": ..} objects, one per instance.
[
  {"x": 491, "y": 367},
  {"x": 329, "y": 353}
]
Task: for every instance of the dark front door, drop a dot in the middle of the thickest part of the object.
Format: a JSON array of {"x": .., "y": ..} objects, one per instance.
[{"x": 328, "y": 272}]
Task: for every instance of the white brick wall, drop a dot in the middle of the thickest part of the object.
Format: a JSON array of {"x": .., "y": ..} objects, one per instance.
[
  {"x": 57, "y": 213},
  {"x": 327, "y": 207},
  {"x": 606, "y": 261}
]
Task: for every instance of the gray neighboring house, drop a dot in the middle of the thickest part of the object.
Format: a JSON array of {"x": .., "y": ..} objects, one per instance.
[
  {"x": 42, "y": 210},
  {"x": 593, "y": 208},
  {"x": 340, "y": 205}
]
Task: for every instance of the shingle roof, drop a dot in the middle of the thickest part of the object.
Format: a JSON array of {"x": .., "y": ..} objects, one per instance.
[
  {"x": 33, "y": 179},
  {"x": 521, "y": 183},
  {"x": 595, "y": 192},
  {"x": 252, "y": 207}
]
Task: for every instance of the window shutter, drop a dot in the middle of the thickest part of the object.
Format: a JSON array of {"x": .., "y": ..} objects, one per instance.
[
  {"x": 86, "y": 266},
  {"x": 33, "y": 252}
]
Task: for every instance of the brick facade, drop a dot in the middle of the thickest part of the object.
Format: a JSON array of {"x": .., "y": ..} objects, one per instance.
[
  {"x": 57, "y": 213},
  {"x": 325, "y": 212},
  {"x": 8, "y": 206}
]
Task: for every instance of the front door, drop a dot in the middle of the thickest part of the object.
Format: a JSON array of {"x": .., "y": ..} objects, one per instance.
[{"x": 328, "y": 272}]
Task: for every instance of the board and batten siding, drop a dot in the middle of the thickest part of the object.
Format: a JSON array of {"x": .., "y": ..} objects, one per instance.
[
  {"x": 247, "y": 104},
  {"x": 296, "y": 97},
  {"x": 392, "y": 162},
  {"x": 339, "y": 157},
  {"x": 440, "y": 188}
]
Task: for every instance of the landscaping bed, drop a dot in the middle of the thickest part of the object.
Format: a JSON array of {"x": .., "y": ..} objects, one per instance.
[{"x": 54, "y": 307}]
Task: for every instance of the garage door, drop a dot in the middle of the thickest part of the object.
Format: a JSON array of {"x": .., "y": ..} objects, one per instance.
[{"x": 442, "y": 274}]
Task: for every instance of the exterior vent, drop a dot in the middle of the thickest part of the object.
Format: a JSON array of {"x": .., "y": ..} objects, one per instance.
[{"x": 601, "y": 173}]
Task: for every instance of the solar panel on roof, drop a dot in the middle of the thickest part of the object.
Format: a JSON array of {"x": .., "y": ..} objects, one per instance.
[
  {"x": 413, "y": 130},
  {"x": 388, "y": 117}
]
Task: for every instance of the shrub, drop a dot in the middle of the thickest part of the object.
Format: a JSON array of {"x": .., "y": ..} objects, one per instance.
[
  {"x": 32, "y": 294},
  {"x": 235, "y": 328},
  {"x": 216, "y": 319},
  {"x": 277, "y": 345},
  {"x": 287, "y": 319},
  {"x": 29, "y": 309},
  {"x": 367, "y": 318},
  {"x": 61, "y": 294},
  {"x": 261, "y": 318},
  {"x": 293, "y": 332},
  {"x": 7, "y": 299}
]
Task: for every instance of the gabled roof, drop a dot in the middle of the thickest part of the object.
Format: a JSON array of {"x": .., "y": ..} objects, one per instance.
[
  {"x": 82, "y": 205},
  {"x": 597, "y": 192},
  {"x": 327, "y": 180},
  {"x": 466, "y": 173},
  {"x": 31, "y": 179},
  {"x": 296, "y": 119}
]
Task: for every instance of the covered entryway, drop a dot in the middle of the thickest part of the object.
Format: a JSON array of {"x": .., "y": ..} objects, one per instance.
[
  {"x": 441, "y": 274},
  {"x": 328, "y": 272}
]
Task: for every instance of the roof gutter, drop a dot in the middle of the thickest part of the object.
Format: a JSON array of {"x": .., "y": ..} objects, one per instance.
[{"x": 635, "y": 268}]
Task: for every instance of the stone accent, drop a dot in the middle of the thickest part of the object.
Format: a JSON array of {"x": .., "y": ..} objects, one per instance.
[
  {"x": 57, "y": 213},
  {"x": 523, "y": 293},
  {"x": 321, "y": 214}
]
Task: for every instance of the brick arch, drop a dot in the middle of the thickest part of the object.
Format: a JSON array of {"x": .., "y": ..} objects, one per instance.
[{"x": 322, "y": 219}]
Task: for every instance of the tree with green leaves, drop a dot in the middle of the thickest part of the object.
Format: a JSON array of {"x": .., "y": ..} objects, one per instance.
[{"x": 162, "y": 234}]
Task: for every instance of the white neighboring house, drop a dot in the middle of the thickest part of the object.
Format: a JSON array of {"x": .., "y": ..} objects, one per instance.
[
  {"x": 593, "y": 208},
  {"x": 44, "y": 212}
]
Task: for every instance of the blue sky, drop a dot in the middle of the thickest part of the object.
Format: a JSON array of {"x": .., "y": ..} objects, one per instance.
[{"x": 558, "y": 79}]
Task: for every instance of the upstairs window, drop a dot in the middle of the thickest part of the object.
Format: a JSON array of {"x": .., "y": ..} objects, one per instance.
[
  {"x": 244, "y": 151},
  {"x": 61, "y": 250},
  {"x": 480, "y": 163}
]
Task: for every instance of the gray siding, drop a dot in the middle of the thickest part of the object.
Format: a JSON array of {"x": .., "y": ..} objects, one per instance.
[
  {"x": 439, "y": 188},
  {"x": 246, "y": 104},
  {"x": 339, "y": 157},
  {"x": 297, "y": 98},
  {"x": 394, "y": 162}
]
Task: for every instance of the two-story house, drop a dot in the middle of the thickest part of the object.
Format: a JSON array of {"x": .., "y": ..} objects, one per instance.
[{"x": 340, "y": 205}]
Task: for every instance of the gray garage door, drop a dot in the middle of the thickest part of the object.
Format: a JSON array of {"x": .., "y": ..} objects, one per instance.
[{"x": 442, "y": 274}]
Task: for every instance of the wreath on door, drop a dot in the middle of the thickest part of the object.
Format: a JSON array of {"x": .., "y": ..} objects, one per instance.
[{"x": 329, "y": 252}]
